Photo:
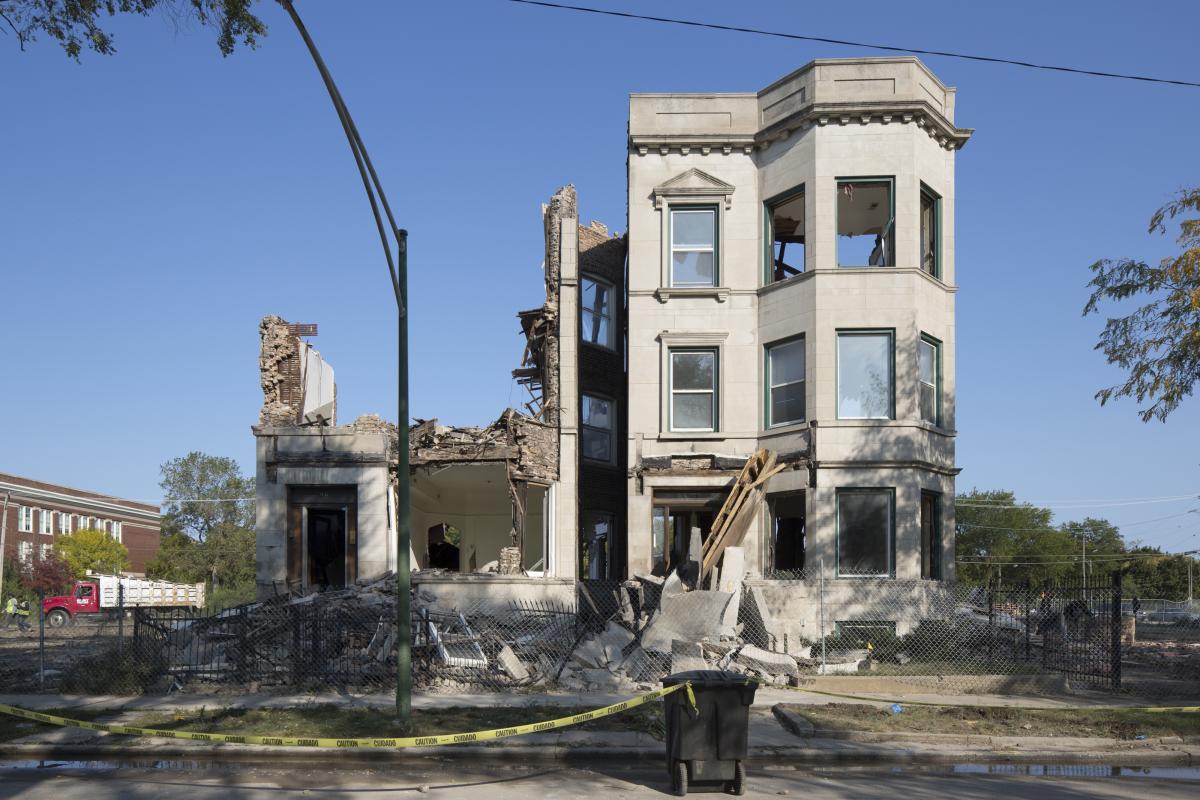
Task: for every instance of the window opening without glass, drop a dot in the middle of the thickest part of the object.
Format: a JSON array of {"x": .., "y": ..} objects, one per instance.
[
  {"x": 598, "y": 428},
  {"x": 864, "y": 532},
  {"x": 931, "y": 536},
  {"x": 785, "y": 383},
  {"x": 595, "y": 544},
  {"x": 865, "y": 224},
  {"x": 787, "y": 535},
  {"x": 928, "y": 356},
  {"x": 864, "y": 375},
  {"x": 693, "y": 384},
  {"x": 931, "y": 212},
  {"x": 693, "y": 247},
  {"x": 596, "y": 309},
  {"x": 785, "y": 220},
  {"x": 676, "y": 514}
]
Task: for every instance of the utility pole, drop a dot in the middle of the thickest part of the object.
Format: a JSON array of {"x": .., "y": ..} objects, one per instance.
[
  {"x": 4, "y": 537},
  {"x": 398, "y": 270}
]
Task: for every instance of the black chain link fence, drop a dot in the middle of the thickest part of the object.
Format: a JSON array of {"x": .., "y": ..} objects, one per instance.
[{"x": 624, "y": 636}]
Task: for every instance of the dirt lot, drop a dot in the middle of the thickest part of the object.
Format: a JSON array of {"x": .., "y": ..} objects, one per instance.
[{"x": 64, "y": 648}]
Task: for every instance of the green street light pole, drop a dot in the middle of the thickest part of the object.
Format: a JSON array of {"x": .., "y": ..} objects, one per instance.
[
  {"x": 403, "y": 502},
  {"x": 398, "y": 271}
]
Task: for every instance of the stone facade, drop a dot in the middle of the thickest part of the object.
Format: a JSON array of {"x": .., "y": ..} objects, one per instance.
[{"x": 825, "y": 131}]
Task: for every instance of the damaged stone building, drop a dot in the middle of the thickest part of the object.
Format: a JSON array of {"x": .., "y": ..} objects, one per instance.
[
  {"x": 519, "y": 508},
  {"x": 787, "y": 284}
]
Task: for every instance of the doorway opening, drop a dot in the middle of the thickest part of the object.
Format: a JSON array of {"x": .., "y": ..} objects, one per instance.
[{"x": 322, "y": 545}]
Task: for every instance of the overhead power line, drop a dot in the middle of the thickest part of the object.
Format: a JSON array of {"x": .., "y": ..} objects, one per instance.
[
  {"x": 846, "y": 43},
  {"x": 1077, "y": 504}
]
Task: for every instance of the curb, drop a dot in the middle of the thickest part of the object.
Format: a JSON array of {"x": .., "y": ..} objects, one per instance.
[{"x": 820, "y": 751}]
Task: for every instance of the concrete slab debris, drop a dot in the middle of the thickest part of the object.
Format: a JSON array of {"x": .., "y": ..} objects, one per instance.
[
  {"x": 691, "y": 616},
  {"x": 766, "y": 662}
]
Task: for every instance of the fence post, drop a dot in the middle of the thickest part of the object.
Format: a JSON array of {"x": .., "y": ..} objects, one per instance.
[
  {"x": 120, "y": 618},
  {"x": 1116, "y": 631},
  {"x": 1028, "y": 622},
  {"x": 41, "y": 639},
  {"x": 822, "y": 631},
  {"x": 991, "y": 622}
]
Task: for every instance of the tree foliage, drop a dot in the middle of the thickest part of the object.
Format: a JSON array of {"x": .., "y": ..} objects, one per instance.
[
  {"x": 1000, "y": 540},
  {"x": 1158, "y": 345},
  {"x": 203, "y": 492},
  {"x": 92, "y": 550},
  {"x": 50, "y": 574},
  {"x": 76, "y": 24}
]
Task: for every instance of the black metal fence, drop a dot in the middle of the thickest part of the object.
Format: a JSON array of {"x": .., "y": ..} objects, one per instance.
[{"x": 1069, "y": 628}]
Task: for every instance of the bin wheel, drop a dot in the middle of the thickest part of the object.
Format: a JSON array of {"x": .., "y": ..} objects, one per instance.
[
  {"x": 738, "y": 786},
  {"x": 679, "y": 781}
]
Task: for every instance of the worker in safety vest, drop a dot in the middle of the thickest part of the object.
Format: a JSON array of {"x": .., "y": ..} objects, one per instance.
[
  {"x": 10, "y": 611},
  {"x": 22, "y": 614}
]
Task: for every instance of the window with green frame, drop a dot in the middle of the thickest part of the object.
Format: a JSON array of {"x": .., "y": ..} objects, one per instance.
[
  {"x": 693, "y": 389},
  {"x": 785, "y": 376},
  {"x": 784, "y": 236},
  {"x": 693, "y": 234},
  {"x": 865, "y": 374},
  {"x": 866, "y": 217},
  {"x": 929, "y": 379},
  {"x": 931, "y": 232},
  {"x": 866, "y": 533}
]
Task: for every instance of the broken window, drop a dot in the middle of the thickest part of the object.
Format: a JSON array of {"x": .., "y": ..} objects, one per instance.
[
  {"x": 785, "y": 382},
  {"x": 693, "y": 247},
  {"x": 864, "y": 532},
  {"x": 693, "y": 383},
  {"x": 442, "y": 542},
  {"x": 676, "y": 515},
  {"x": 597, "y": 420},
  {"x": 596, "y": 308},
  {"x": 787, "y": 535},
  {"x": 931, "y": 536},
  {"x": 864, "y": 375},
  {"x": 785, "y": 237},
  {"x": 929, "y": 358},
  {"x": 931, "y": 223},
  {"x": 865, "y": 223},
  {"x": 595, "y": 542}
]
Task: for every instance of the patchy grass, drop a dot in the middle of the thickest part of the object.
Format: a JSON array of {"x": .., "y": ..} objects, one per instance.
[
  {"x": 1000, "y": 721},
  {"x": 330, "y": 721},
  {"x": 13, "y": 728}
]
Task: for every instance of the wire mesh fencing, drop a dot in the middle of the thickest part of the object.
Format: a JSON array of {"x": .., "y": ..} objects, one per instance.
[{"x": 625, "y": 636}]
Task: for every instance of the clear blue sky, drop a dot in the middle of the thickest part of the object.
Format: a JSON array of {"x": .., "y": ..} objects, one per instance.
[{"x": 156, "y": 203}]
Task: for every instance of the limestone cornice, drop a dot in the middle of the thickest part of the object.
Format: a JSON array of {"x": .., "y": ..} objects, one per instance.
[{"x": 890, "y": 112}]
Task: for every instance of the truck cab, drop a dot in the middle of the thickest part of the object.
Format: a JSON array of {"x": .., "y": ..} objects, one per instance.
[{"x": 83, "y": 599}]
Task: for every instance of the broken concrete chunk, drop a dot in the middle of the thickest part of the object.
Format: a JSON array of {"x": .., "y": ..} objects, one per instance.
[
  {"x": 613, "y": 640},
  {"x": 691, "y": 616},
  {"x": 512, "y": 665},
  {"x": 687, "y": 656},
  {"x": 590, "y": 654},
  {"x": 767, "y": 662},
  {"x": 846, "y": 668}
]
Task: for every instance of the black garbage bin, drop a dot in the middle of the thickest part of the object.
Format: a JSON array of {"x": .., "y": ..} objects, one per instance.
[{"x": 708, "y": 744}]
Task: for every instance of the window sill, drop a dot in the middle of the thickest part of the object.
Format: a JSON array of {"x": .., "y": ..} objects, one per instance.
[
  {"x": 684, "y": 435},
  {"x": 783, "y": 430},
  {"x": 665, "y": 293}
]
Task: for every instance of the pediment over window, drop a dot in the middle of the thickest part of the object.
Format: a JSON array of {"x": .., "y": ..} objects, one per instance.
[{"x": 693, "y": 185}]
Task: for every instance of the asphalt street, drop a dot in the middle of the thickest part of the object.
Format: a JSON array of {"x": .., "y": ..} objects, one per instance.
[{"x": 68, "y": 781}]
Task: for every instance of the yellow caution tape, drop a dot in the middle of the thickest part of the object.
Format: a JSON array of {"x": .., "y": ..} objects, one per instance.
[
  {"x": 408, "y": 741},
  {"x": 1148, "y": 709}
]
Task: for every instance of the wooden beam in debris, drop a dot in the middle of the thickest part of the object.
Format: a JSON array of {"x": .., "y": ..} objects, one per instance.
[{"x": 733, "y": 520}]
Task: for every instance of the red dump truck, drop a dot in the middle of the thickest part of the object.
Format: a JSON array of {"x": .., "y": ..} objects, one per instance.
[{"x": 104, "y": 594}]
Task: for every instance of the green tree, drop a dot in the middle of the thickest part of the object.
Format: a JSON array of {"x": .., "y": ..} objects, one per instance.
[
  {"x": 179, "y": 558},
  {"x": 76, "y": 24},
  {"x": 999, "y": 539},
  {"x": 202, "y": 492},
  {"x": 92, "y": 550},
  {"x": 1158, "y": 345},
  {"x": 1157, "y": 574}
]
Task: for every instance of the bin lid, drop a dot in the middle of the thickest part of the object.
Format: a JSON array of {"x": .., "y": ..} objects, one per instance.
[{"x": 709, "y": 677}]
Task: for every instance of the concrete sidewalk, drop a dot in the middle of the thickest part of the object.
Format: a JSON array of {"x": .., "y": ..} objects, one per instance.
[{"x": 771, "y": 741}]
